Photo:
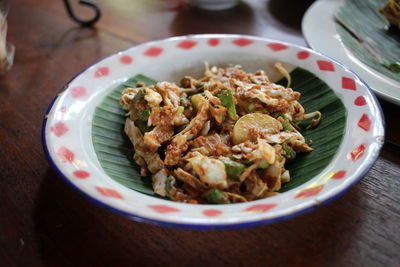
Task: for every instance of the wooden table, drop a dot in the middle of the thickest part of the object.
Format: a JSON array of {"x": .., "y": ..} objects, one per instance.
[{"x": 44, "y": 222}]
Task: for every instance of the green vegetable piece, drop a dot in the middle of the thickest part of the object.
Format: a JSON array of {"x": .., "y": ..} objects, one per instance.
[
  {"x": 139, "y": 97},
  {"x": 233, "y": 168},
  {"x": 394, "y": 67},
  {"x": 137, "y": 107},
  {"x": 289, "y": 151},
  {"x": 144, "y": 114},
  {"x": 142, "y": 125},
  {"x": 180, "y": 109},
  {"x": 215, "y": 196},
  {"x": 263, "y": 164},
  {"x": 278, "y": 114},
  {"x": 287, "y": 126},
  {"x": 227, "y": 101}
]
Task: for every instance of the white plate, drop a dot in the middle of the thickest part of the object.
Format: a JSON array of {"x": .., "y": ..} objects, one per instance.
[
  {"x": 68, "y": 142},
  {"x": 319, "y": 29}
]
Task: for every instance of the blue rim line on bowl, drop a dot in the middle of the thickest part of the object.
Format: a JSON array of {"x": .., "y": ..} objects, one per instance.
[{"x": 201, "y": 226}]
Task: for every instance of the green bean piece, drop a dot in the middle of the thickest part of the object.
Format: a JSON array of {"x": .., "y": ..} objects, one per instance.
[
  {"x": 263, "y": 164},
  {"x": 215, "y": 196},
  {"x": 138, "y": 107},
  {"x": 228, "y": 101},
  {"x": 180, "y": 109},
  {"x": 140, "y": 114},
  {"x": 394, "y": 67},
  {"x": 139, "y": 97},
  {"x": 144, "y": 114},
  {"x": 288, "y": 151},
  {"x": 277, "y": 115},
  {"x": 142, "y": 125},
  {"x": 233, "y": 168},
  {"x": 287, "y": 126}
]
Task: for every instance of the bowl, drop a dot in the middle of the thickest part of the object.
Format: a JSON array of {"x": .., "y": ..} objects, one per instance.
[{"x": 68, "y": 143}]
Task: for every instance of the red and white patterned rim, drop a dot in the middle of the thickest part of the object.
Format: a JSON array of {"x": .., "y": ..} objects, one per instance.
[{"x": 68, "y": 144}]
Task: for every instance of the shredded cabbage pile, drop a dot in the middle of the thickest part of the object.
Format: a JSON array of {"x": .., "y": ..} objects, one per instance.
[{"x": 223, "y": 138}]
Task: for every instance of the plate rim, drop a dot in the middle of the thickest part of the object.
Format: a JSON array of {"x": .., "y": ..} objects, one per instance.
[
  {"x": 343, "y": 55},
  {"x": 310, "y": 204}
]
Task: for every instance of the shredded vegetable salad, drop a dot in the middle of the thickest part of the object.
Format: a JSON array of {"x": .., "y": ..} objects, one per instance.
[{"x": 223, "y": 138}]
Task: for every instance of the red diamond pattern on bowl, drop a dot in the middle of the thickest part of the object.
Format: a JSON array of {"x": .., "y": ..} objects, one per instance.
[
  {"x": 242, "y": 42},
  {"x": 59, "y": 129},
  {"x": 325, "y": 65},
  {"x": 102, "y": 72},
  {"x": 65, "y": 154},
  {"x": 364, "y": 122},
  {"x": 213, "y": 42},
  {"x": 277, "y": 47},
  {"x": 358, "y": 152},
  {"x": 303, "y": 55},
  {"x": 78, "y": 91},
  {"x": 260, "y": 207},
  {"x": 187, "y": 44},
  {"x": 339, "y": 174},
  {"x": 360, "y": 101},
  {"x": 309, "y": 192},
  {"x": 348, "y": 83},
  {"x": 108, "y": 192},
  {"x": 212, "y": 212},
  {"x": 153, "y": 51},
  {"x": 163, "y": 208},
  {"x": 126, "y": 59},
  {"x": 81, "y": 174}
]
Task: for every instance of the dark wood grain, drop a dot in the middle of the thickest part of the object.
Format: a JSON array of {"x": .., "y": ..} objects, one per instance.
[{"x": 43, "y": 222}]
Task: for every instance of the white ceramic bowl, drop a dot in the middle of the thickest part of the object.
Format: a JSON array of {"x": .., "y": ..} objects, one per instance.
[{"x": 68, "y": 143}]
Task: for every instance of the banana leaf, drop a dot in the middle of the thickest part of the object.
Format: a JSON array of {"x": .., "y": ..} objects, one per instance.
[
  {"x": 326, "y": 137},
  {"x": 367, "y": 34},
  {"x": 115, "y": 151},
  {"x": 113, "y": 148}
]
